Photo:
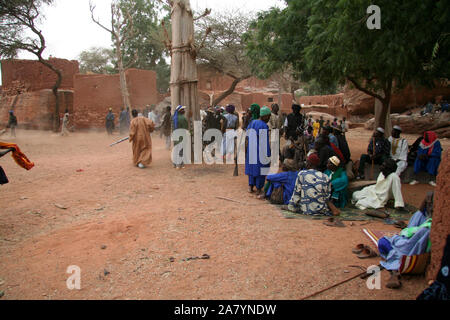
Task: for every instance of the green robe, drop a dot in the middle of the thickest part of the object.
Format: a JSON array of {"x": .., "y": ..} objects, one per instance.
[
  {"x": 182, "y": 124},
  {"x": 339, "y": 184}
]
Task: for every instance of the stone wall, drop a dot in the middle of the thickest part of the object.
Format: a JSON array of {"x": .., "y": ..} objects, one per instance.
[
  {"x": 333, "y": 100},
  {"x": 94, "y": 94},
  {"x": 35, "y": 76},
  {"x": 440, "y": 228}
]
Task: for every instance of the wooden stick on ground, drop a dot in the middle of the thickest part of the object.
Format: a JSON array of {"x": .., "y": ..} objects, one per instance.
[{"x": 338, "y": 284}]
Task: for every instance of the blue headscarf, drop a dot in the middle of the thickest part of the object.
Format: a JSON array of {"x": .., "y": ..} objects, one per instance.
[{"x": 175, "y": 116}]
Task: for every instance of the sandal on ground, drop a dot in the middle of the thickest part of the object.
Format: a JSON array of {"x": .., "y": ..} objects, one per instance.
[
  {"x": 367, "y": 252},
  {"x": 358, "y": 249},
  {"x": 377, "y": 214},
  {"x": 334, "y": 222},
  {"x": 394, "y": 281}
]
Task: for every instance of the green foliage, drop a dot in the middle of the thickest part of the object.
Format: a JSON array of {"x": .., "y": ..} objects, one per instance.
[
  {"x": 17, "y": 16},
  {"x": 224, "y": 49},
  {"x": 97, "y": 60},
  {"x": 147, "y": 40},
  {"x": 328, "y": 41}
]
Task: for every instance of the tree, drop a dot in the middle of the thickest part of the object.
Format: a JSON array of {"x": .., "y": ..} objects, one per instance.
[
  {"x": 183, "y": 51},
  {"x": 121, "y": 29},
  {"x": 17, "y": 17},
  {"x": 97, "y": 60},
  {"x": 147, "y": 16},
  {"x": 330, "y": 41},
  {"x": 224, "y": 49}
]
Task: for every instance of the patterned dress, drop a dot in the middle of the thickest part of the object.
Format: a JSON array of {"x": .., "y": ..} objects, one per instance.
[{"x": 311, "y": 194}]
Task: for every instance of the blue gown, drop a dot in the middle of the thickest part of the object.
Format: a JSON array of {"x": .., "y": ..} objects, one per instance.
[
  {"x": 430, "y": 165},
  {"x": 287, "y": 180},
  {"x": 393, "y": 248},
  {"x": 255, "y": 176}
]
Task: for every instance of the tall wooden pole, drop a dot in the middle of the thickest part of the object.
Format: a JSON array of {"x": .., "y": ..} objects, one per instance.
[{"x": 183, "y": 75}]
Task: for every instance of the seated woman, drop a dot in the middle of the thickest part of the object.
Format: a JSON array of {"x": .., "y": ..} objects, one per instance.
[
  {"x": 285, "y": 180},
  {"x": 412, "y": 240},
  {"x": 339, "y": 182},
  {"x": 388, "y": 186},
  {"x": 428, "y": 156},
  {"x": 312, "y": 191}
]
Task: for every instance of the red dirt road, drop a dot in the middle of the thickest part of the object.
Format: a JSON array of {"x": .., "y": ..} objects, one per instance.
[{"x": 123, "y": 224}]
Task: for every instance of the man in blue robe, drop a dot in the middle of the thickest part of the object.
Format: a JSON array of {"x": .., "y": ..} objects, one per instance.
[
  {"x": 257, "y": 144},
  {"x": 413, "y": 240}
]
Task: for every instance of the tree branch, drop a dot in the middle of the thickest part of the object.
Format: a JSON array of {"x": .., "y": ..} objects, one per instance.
[
  {"x": 92, "y": 8},
  {"x": 230, "y": 90},
  {"x": 207, "y": 12},
  {"x": 361, "y": 88}
]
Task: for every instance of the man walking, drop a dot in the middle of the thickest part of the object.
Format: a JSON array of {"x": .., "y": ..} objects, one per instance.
[
  {"x": 12, "y": 123},
  {"x": 140, "y": 129},
  {"x": 110, "y": 122}
]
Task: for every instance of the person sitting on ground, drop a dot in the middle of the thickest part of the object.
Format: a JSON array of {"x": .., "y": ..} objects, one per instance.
[
  {"x": 399, "y": 149},
  {"x": 296, "y": 150},
  {"x": 312, "y": 191},
  {"x": 378, "y": 155},
  {"x": 388, "y": 186},
  {"x": 428, "y": 157},
  {"x": 339, "y": 182},
  {"x": 324, "y": 152},
  {"x": 280, "y": 186},
  {"x": 256, "y": 145},
  {"x": 413, "y": 240}
]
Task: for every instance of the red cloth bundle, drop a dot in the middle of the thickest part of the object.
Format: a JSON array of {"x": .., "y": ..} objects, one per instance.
[{"x": 19, "y": 157}]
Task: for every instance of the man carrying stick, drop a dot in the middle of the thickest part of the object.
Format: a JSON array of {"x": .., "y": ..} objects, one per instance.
[{"x": 140, "y": 129}]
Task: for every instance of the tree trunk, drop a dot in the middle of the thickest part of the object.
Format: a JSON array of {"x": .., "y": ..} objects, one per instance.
[
  {"x": 183, "y": 75},
  {"x": 383, "y": 112},
  {"x": 122, "y": 76},
  {"x": 56, "y": 122}
]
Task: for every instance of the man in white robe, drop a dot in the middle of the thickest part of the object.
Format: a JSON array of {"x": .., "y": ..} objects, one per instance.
[
  {"x": 399, "y": 150},
  {"x": 388, "y": 187}
]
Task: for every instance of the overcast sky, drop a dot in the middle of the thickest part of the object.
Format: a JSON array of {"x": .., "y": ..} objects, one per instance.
[{"x": 68, "y": 28}]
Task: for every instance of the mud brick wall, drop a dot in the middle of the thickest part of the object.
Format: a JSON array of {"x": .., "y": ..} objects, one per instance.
[
  {"x": 334, "y": 100},
  {"x": 142, "y": 87},
  {"x": 34, "y": 110},
  {"x": 440, "y": 227},
  {"x": 35, "y": 76},
  {"x": 95, "y": 94}
]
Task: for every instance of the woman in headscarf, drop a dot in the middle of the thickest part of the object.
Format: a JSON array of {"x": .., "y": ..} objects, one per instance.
[
  {"x": 254, "y": 168},
  {"x": 428, "y": 157}
]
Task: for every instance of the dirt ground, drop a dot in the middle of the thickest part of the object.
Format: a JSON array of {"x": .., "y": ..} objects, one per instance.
[{"x": 129, "y": 230}]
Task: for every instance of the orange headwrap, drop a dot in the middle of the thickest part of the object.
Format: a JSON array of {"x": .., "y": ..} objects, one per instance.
[{"x": 20, "y": 158}]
